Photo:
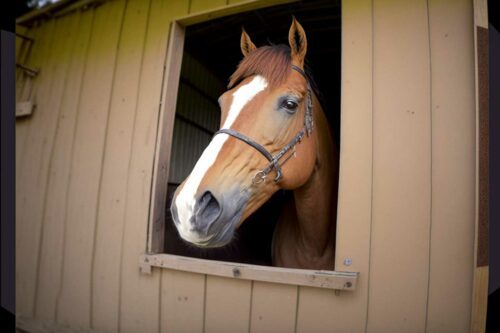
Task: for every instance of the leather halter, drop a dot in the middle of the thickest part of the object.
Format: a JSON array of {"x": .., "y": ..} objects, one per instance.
[{"x": 274, "y": 163}]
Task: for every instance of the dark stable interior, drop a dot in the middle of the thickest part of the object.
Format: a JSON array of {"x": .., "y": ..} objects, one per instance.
[{"x": 216, "y": 44}]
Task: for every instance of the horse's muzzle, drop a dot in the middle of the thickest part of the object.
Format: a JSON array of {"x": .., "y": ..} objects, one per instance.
[{"x": 213, "y": 220}]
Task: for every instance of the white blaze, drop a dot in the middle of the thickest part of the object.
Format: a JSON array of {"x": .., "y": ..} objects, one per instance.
[{"x": 185, "y": 200}]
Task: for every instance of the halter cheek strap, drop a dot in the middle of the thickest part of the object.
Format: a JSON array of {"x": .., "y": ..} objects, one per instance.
[
  {"x": 261, "y": 175},
  {"x": 308, "y": 117}
]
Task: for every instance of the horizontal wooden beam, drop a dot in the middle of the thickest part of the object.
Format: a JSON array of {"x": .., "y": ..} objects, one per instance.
[
  {"x": 226, "y": 10},
  {"x": 302, "y": 277}
]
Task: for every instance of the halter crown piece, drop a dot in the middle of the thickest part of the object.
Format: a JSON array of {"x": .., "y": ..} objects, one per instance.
[{"x": 261, "y": 175}]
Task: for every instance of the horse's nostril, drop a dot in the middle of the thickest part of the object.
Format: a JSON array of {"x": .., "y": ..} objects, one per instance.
[{"x": 207, "y": 210}]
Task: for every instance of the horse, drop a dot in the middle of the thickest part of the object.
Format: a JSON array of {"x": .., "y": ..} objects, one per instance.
[{"x": 273, "y": 136}]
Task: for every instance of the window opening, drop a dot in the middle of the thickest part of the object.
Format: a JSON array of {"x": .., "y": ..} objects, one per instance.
[{"x": 211, "y": 54}]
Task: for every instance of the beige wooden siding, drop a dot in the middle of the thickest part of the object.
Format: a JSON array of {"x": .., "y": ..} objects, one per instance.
[
  {"x": 227, "y": 296},
  {"x": 453, "y": 151},
  {"x": 52, "y": 238},
  {"x": 401, "y": 167},
  {"x": 115, "y": 167},
  {"x": 140, "y": 295},
  {"x": 84, "y": 164},
  {"x": 27, "y": 233},
  {"x": 87, "y": 158}
]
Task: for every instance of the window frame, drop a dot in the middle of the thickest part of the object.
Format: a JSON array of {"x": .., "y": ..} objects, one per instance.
[{"x": 154, "y": 256}]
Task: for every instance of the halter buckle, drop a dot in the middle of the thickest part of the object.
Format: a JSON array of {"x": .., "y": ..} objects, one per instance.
[{"x": 259, "y": 177}]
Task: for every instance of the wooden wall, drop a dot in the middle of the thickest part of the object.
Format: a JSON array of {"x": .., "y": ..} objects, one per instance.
[{"x": 406, "y": 210}]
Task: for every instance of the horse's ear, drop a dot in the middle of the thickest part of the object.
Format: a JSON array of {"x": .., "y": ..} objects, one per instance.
[
  {"x": 246, "y": 43},
  {"x": 298, "y": 42}
]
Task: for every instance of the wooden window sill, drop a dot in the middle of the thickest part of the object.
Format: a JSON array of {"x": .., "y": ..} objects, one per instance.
[{"x": 303, "y": 277}]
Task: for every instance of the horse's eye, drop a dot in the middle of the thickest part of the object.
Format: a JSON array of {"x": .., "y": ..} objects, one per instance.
[{"x": 289, "y": 105}]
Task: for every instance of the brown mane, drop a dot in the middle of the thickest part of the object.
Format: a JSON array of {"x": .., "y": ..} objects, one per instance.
[{"x": 272, "y": 61}]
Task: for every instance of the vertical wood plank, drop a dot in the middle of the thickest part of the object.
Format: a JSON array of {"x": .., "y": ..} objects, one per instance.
[
  {"x": 453, "y": 151},
  {"x": 74, "y": 303},
  {"x": 274, "y": 307},
  {"x": 321, "y": 310},
  {"x": 23, "y": 92},
  {"x": 399, "y": 257},
  {"x": 182, "y": 302},
  {"x": 140, "y": 294},
  {"x": 156, "y": 233},
  {"x": 227, "y": 296},
  {"x": 113, "y": 185},
  {"x": 31, "y": 171},
  {"x": 49, "y": 277},
  {"x": 201, "y": 5}
]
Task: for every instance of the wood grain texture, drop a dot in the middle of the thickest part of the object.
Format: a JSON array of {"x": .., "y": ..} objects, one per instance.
[
  {"x": 399, "y": 254},
  {"x": 75, "y": 301},
  {"x": 453, "y": 151},
  {"x": 51, "y": 250},
  {"x": 140, "y": 294},
  {"x": 113, "y": 185}
]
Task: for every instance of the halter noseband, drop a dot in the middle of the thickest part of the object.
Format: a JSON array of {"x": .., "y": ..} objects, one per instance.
[{"x": 261, "y": 175}]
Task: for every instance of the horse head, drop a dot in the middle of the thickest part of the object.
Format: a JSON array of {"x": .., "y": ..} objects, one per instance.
[{"x": 265, "y": 143}]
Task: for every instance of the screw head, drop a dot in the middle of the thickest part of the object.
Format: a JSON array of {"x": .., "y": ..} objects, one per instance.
[{"x": 348, "y": 261}]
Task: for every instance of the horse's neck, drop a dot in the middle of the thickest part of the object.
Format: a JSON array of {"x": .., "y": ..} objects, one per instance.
[{"x": 305, "y": 236}]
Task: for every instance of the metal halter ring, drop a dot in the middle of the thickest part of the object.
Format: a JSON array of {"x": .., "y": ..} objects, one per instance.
[{"x": 259, "y": 177}]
